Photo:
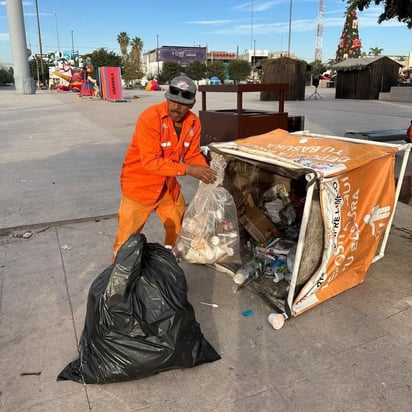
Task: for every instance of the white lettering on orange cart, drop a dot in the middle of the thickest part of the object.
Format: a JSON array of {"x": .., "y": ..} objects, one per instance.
[{"x": 347, "y": 237}]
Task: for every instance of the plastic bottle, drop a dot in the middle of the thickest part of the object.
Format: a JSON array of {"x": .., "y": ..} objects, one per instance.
[{"x": 249, "y": 270}]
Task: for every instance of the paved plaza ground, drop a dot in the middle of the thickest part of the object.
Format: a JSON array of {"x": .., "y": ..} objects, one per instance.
[{"x": 60, "y": 159}]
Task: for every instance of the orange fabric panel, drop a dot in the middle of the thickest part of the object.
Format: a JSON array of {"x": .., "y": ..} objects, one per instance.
[
  {"x": 356, "y": 208},
  {"x": 328, "y": 157}
]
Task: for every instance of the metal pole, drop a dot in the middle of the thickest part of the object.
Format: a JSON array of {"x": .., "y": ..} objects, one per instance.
[
  {"x": 251, "y": 27},
  {"x": 71, "y": 31},
  {"x": 254, "y": 60},
  {"x": 290, "y": 26},
  {"x": 23, "y": 82},
  {"x": 57, "y": 32},
  {"x": 157, "y": 55},
  {"x": 40, "y": 45}
]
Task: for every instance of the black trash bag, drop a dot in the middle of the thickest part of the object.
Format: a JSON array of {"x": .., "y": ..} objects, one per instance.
[{"x": 138, "y": 321}]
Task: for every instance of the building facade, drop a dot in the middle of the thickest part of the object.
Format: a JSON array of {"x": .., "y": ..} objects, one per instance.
[{"x": 153, "y": 59}]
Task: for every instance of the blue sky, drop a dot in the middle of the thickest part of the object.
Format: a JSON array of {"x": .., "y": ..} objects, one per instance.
[{"x": 224, "y": 25}]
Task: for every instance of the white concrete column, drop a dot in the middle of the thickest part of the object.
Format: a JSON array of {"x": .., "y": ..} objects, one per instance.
[{"x": 23, "y": 82}]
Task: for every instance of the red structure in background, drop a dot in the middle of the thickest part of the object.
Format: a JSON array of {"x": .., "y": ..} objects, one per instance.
[{"x": 111, "y": 83}]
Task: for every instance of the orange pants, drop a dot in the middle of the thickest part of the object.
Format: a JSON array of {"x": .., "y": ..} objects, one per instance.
[{"x": 132, "y": 217}]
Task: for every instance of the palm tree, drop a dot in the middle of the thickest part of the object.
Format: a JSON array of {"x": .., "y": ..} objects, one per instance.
[
  {"x": 375, "y": 51},
  {"x": 123, "y": 39},
  {"x": 137, "y": 47}
]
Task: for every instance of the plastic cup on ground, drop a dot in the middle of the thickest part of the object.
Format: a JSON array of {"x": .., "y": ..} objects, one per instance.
[{"x": 277, "y": 320}]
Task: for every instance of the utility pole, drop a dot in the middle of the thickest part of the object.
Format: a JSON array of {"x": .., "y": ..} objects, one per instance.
[
  {"x": 290, "y": 26},
  {"x": 157, "y": 56},
  {"x": 40, "y": 45},
  {"x": 71, "y": 31},
  {"x": 57, "y": 32},
  {"x": 251, "y": 27},
  {"x": 254, "y": 60}
]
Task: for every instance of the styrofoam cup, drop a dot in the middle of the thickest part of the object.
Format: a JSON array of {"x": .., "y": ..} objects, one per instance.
[{"x": 277, "y": 320}]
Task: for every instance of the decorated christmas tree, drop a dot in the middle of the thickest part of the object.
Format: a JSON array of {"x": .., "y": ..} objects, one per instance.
[{"x": 349, "y": 42}]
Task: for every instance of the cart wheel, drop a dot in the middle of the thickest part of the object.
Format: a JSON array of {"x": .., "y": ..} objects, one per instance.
[{"x": 277, "y": 320}]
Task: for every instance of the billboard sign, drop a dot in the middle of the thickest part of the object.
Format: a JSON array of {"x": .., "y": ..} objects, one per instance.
[{"x": 182, "y": 55}]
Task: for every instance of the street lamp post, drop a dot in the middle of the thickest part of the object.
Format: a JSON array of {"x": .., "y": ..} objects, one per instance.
[
  {"x": 157, "y": 56},
  {"x": 57, "y": 32},
  {"x": 290, "y": 26},
  {"x": 71, "y": 31},
  {"x": 40, "y": 45},
  {"x": 254, "y": 60}
]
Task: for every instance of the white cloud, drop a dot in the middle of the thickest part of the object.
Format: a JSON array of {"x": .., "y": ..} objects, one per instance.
[
  {"x": 256, "y": 6},
  {"x": 208, "y": 22}
]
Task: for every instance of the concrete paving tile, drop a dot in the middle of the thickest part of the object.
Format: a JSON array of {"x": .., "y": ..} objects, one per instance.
[
  {"x": 384, "y": 361},
  {"x": 170, "y": 406},
  {"x": 34, "y": 307},
  {"x": 341, "y": 329},
  {"x": 395, "y": 325},
  {"x": 75, "y": 401},
  {"x": 217, "y": 383},
  {"x": 265, "y": 400},
  {"x": 307, "y": 396},
  {"x": 300, "y": 396},
  {"x": 350, "y": 387},
  {"x": 375, "y": 303},
  {"x": 142, "y": 394}
]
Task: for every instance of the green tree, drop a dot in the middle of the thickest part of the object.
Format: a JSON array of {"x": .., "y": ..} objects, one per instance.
[
  {"x": 123, "y": 39},
  {"x": 196, "y": 70},
  {"x": 392, "y": 9},
  {"x": 36, "y": 70},
  {"x": 130, "y": 70},
  {"x": 239, "y": 70},
  {"x": 349, "y": 43},
  {"x": 6, "y": 76},
  {"x": 132, "y": 62},
  {"x": 135, "y": 59},
  {"x": 169, "y": 70},
  {"x": 316, "y": 68},
  {"x": 375, "y": 51},
  {"x": 216, "y": 68},
  {"x": 101, "y": 57},
  {"x": 136, "y": 52}
]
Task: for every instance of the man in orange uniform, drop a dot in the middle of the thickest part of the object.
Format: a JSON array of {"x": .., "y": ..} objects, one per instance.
[{"x": 165, "y": 144}]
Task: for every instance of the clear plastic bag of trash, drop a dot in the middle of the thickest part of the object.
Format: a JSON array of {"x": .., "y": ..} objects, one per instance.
[
  {"x": 210, "y": 229},
  {"x": 139, "y": 321}
]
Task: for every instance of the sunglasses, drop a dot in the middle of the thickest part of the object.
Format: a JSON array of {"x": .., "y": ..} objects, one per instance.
[{"x": 186, "y": 94}]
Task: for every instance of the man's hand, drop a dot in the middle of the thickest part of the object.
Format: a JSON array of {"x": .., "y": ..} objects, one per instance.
[{"x": 203, "y": 173}]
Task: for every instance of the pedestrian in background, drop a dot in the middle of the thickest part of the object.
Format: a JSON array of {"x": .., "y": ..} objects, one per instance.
[{"x": 165, "y": 144}]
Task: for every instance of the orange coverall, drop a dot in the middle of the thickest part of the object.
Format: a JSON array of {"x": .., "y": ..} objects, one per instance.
[{"x": 156, "y": 155}]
